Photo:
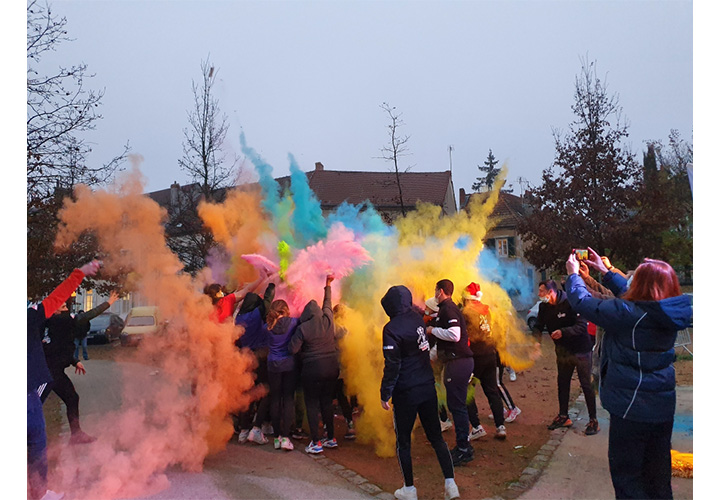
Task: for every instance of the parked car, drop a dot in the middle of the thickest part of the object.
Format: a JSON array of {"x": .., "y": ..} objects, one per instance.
[
  {"x": 532, "y": 315},
  {"x": 140, "y": 321},
  {"x": 105, "y": 328}
]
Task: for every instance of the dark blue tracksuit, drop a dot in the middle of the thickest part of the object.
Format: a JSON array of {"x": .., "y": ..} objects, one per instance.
[{"x": 408, "y": 379}]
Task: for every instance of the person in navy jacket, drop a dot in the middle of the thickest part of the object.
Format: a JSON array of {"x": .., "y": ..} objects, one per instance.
[
  {"x": 409, "y": 381},
  {"x": 637, "y": 376}
]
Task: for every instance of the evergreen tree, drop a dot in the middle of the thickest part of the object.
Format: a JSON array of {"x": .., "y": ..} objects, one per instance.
[
  {"x": 491, "y": 172},
  {"x": 588, "y": 195}
]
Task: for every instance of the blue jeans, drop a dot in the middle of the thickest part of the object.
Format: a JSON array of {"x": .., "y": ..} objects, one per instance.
[
  {"x": 84, "y": 348},
  {"x": 36, "y": 446}
]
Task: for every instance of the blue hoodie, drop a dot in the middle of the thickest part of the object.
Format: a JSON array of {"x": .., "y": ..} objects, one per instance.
[
  {"x": 637, "y": 376},
  {"x": 408, "y": 375}
]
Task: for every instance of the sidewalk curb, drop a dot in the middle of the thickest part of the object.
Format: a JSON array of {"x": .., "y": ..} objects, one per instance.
[
  {"x": 353, "y": 477},
  {"x": 540, "y": 461}
]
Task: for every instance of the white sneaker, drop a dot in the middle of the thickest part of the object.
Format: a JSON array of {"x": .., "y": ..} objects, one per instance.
[
  {"x": 52, "y": 495},
  {"x": 406, "y": 493},
  {"x": 445, "y": 425},
  {"x": 451, "y": 491},
  {"x": 500, "y": 433},
  {"x": 267, "y": 429},
  {"x": 243, "y": 436},
  {"x": 513, "y": 375},
  {"x": 276, "y": 443},
  {"x": 257, "y": 436},
  {"x": 286, "y": 444},
  {"x": 477, "y": 432},
  {"x": 513, "y": 414}
]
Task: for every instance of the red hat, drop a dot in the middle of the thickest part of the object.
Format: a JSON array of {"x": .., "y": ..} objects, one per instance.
[{"x": 472, "y": 292}]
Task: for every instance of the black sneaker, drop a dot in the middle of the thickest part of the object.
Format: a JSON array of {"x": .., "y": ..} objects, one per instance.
[
  {"x": 560, "y": 421},
  {"x": 592, "y": 427},
  {"x": 461, "y": 457},
  {"x": 299, "y": 434},
  {"x": 350, "y": 434}
]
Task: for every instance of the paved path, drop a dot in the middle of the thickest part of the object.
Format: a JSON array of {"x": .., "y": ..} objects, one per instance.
[{"x": 578, "y": 469}]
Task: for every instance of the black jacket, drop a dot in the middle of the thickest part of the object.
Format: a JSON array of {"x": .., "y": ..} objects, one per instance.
[
  {"x": 314, "y": 337},
  {"x": 449, "y": 316},
  {"x": 63, "y": 329},
  {"x": 561, "y": 316},
  {"x": 405, "y": 348}
]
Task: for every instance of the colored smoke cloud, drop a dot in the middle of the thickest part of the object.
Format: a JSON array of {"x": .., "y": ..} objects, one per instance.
[{"x": 183, "y": 415}]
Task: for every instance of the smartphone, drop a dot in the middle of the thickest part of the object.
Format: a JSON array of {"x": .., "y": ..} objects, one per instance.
[{"x": 581, "y": 253}]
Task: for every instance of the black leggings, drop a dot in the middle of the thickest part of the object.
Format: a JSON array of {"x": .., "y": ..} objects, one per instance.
[
  {"x": 486, "y": 371},
  {"x": 282, "y": 401},
  {"x": 63, "y": 387},
  {"x": 259, "y": 411},
  {"x": 318, "y": 382},
  {"x": 404, "y": 415}
]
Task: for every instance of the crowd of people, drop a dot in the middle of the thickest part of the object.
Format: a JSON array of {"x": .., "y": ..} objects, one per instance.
[{"x": 433, "y": 360}]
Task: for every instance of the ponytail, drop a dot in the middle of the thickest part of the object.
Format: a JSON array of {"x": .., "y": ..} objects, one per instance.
[{"x": 278, "y": 309}]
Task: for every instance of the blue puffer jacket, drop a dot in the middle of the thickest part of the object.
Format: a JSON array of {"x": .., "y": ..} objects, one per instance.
[{"x": 637, "y": 376}]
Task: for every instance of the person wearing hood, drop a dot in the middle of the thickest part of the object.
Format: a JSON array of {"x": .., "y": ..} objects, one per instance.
[
  {"x": 637, "y": 376},
  {"x": 409, "y": 382},
  {"x": 573, "y": 351},
  {"x": 314, "y": 340},
  {"x": 254, "y": 423},
  {"x": 282, "y": 372}
]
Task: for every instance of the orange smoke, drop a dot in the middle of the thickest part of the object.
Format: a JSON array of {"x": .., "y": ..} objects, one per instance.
[{"x": 180, "y": 414}]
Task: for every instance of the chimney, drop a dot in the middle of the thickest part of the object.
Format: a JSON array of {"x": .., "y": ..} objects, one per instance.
[
  {"x": 319, "y": 166},
  {"x": 174, "y": 194},
  {"x": 462, "y": 198}
]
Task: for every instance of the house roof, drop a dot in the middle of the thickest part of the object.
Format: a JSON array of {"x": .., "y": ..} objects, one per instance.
[
  {"x": 332, "y": 187},
  {"x": 508, "y": 211}
]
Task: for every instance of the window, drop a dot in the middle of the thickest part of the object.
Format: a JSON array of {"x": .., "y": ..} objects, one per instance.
[
  {"x": 88, "y": 300},
  {"x": 501, "y": 247}
]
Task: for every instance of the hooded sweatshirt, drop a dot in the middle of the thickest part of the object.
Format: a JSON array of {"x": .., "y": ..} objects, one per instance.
[
  {"x": 637, "y": 376},
  {"x": 314, "y": 337},
  {"x": 562, "y": 316},
  {"x": 251, "y": 316},
  {"x": 408, "y": 374},
  {"x": 280, "y": 359}
]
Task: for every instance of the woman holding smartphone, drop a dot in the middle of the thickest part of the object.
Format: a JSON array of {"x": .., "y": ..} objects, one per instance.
[{"x": 637, "y": 376}]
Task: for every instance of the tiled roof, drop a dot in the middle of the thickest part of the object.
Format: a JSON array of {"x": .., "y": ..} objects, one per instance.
[
  {"x": 508, "y": 211},
  {"x": 332, "y": 187}
]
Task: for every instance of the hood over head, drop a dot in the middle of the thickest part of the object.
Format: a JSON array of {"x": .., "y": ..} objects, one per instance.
[
  {"x": 311, "y": 310},
  {"x": 397, "y": 300}
]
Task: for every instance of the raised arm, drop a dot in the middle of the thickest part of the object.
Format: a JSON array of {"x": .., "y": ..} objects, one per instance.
[{"x": 53, "y": 301}]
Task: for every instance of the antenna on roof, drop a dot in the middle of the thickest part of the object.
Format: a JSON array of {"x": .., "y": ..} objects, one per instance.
[{"x": 450, "y": 150}]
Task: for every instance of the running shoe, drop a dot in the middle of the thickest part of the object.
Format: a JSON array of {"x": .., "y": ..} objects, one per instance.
[
  {"x": 445, "y": 425},
  {"x": 243, "y": 435},
  {"x": 329, "y": 443},
  {"x": 314, "y": 448},
  {"x": 406, "y": 493},
  {"x": 592, "y": 427},
  {"x": 500, "y": 433},
  {"x": 257, "y": 436},
  {"x": 560, "y": 421},
  {"x": 512, "y": 414},
  {"x": 477, "y": 432},
  {"x": 286, "y": 444},
  {"x": 451, "y": 491},
  {"x": 461, "y": 457}
]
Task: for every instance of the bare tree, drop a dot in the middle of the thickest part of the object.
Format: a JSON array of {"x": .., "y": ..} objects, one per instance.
[
  {"x": 396, "y": 147},
  {"x": 211, "y": 172},
  {"x": 60, "y": 112},
  {"x": 203, "y": 156}
]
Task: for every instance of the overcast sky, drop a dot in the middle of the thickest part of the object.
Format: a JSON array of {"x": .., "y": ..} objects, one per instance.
[{"x": 308, "y": 78}]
